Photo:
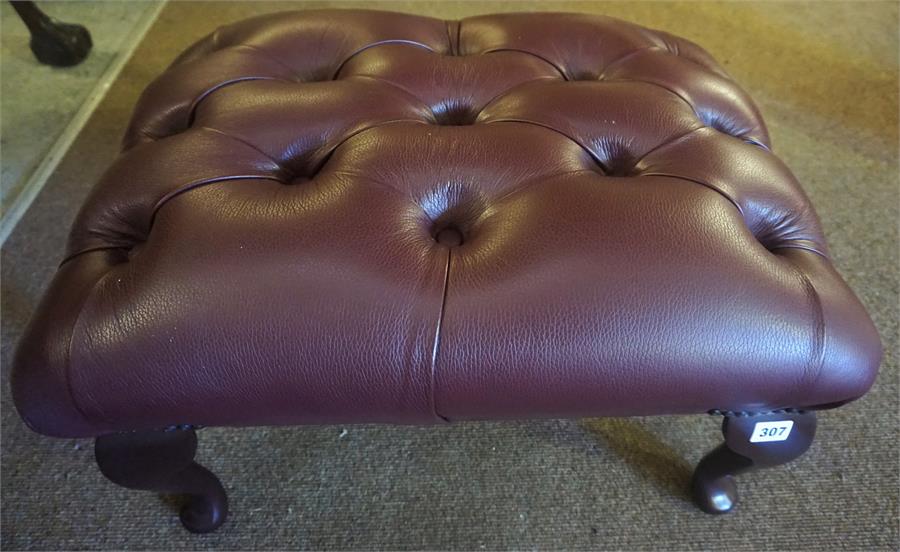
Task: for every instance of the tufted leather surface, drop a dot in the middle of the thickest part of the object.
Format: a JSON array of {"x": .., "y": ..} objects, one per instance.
[{"x": 357, "y": 216}]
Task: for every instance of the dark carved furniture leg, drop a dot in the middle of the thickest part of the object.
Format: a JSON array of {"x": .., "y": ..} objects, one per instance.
[
  {"x": 751, "y": 441},
  {"x": 54, "y": 42},
  {"x": 163, "y": 461}
]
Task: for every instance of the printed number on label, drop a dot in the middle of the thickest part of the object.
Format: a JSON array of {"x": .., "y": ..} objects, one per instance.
[{"x": 765, "y": 432}]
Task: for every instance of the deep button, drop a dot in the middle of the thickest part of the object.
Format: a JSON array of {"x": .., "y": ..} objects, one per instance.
[
  {"x": 322, "y": 74},
  {"x": 619, "y": 167},
  {"x": 451, "y": 236},
  {"x": 125, "y": 254},
  {"x": 301, "y": 168},
  {"x": 720, "y": 124},
  {"x": 618, "y": 171},
  {"x": 135, "y": 249},
  {"x": 451, "y": 213},
  {"x": 584, "y": 76},
  {"x": 454, "y": 114}
]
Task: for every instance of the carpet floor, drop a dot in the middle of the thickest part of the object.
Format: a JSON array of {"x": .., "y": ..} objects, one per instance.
[{"x": 825, "y": 76}]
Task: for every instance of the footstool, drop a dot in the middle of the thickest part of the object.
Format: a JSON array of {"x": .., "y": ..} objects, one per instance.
[{"x": 330, "y": 217}]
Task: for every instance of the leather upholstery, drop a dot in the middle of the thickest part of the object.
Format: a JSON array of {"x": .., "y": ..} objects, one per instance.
[{"x": 357, "y": 216}]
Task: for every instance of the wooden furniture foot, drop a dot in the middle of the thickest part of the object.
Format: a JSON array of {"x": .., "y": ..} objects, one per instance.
[
  {"x": 54, "y": 42},
  {"x": 751, "y": 441},
  {"x": 163, "y": 461}
]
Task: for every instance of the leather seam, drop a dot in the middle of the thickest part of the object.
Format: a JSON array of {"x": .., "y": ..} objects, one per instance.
[
  {"x": 70, "y": 257},
  {"x": 603, "y": 167},
  {"x": 437, "y": 339},
  {"x": 742, "y": 136},
  {"x": 358, "y": 51},
  {"x": 192, "y": 110},
  {"x": 705, "y": 185},
  {"x": 667, "y": 143},
  {"x": 821, "y": 336},
  {"x": 213, "y": 180},
  {"x": 526, "y": 52},
  {"x": 382, "y": 185},
  {"x": 550, "y": 128},
  {"x": 265, "y": 54},
  {"x": 798, "y": 246},
  {"x": 354, "y": 133},
  {"x": 524, "y": 185},
  {"x": 68, "y": 370},
  {"x": 703, "y": 66},
  {"x": 625, "y": 57},
  {"x": 450, "y": 46},
  {"x": 242, "y": 141},
  {"x": 736, "y": 205},
  {"x": 511, "y": 90},
  {"x": 422, "y": 104},
  {"x": 199, "y": 184},
  {"x": 678, "y": 95},
  {"x": 752, "y": 413}
]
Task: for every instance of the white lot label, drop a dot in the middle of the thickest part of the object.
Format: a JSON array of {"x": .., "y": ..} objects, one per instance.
[{"x": 765, "y": 432}]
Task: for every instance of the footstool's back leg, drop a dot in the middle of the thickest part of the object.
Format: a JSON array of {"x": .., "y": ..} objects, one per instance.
[
  {"x": 163, "y": 461},
  {"x": 751, "y": 441},
  {"x": 54, "y": 42}
]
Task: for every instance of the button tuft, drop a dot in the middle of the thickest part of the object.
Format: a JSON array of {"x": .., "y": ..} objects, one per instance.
[{"x": 449, "y": 236}]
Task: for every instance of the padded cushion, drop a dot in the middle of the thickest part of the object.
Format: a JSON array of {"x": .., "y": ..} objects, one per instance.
[{"x": 359, "y": 216}]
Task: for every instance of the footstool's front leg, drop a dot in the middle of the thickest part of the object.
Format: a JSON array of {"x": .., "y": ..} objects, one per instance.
[
  {"x": 163, "y": 461},
  {"x": 751, "y": 441}
]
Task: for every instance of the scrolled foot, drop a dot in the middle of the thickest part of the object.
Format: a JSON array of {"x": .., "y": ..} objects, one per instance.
[
  {"x": 54, "y": 42},
  {"x": 751, "y": 441},
  {"x": 718, "y": 496},
  {"x": 163, "y": 461},
  {"x": 713, "y": 486},
  {"x": 204, "y": 513}
]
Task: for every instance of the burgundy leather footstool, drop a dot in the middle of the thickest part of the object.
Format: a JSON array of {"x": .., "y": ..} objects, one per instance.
[{"x": 356, "y": 216}]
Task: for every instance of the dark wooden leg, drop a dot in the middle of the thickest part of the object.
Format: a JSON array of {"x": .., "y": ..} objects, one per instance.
[
  {"x": 163, "y": 461},
  {"x": 54, "y": 42},
  {"x": 751, "y": 441}
]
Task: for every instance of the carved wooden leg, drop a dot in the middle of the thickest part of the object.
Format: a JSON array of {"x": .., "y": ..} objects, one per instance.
[
  {"x": 54, "y": 42},
  {"x": 751, "y": 441},
  {"x": 163, "y": 461}
]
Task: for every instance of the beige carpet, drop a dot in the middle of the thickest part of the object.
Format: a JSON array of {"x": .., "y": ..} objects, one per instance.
[{"x": 826, "y": 78}]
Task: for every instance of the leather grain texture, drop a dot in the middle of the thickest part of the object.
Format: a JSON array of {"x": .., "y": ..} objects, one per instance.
[{"x": 360, "y": 216}]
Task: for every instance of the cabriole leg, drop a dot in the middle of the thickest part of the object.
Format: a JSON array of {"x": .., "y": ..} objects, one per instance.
[
  {"x": 163, "y": 461},
  {"x": 751, "y": 441}
]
